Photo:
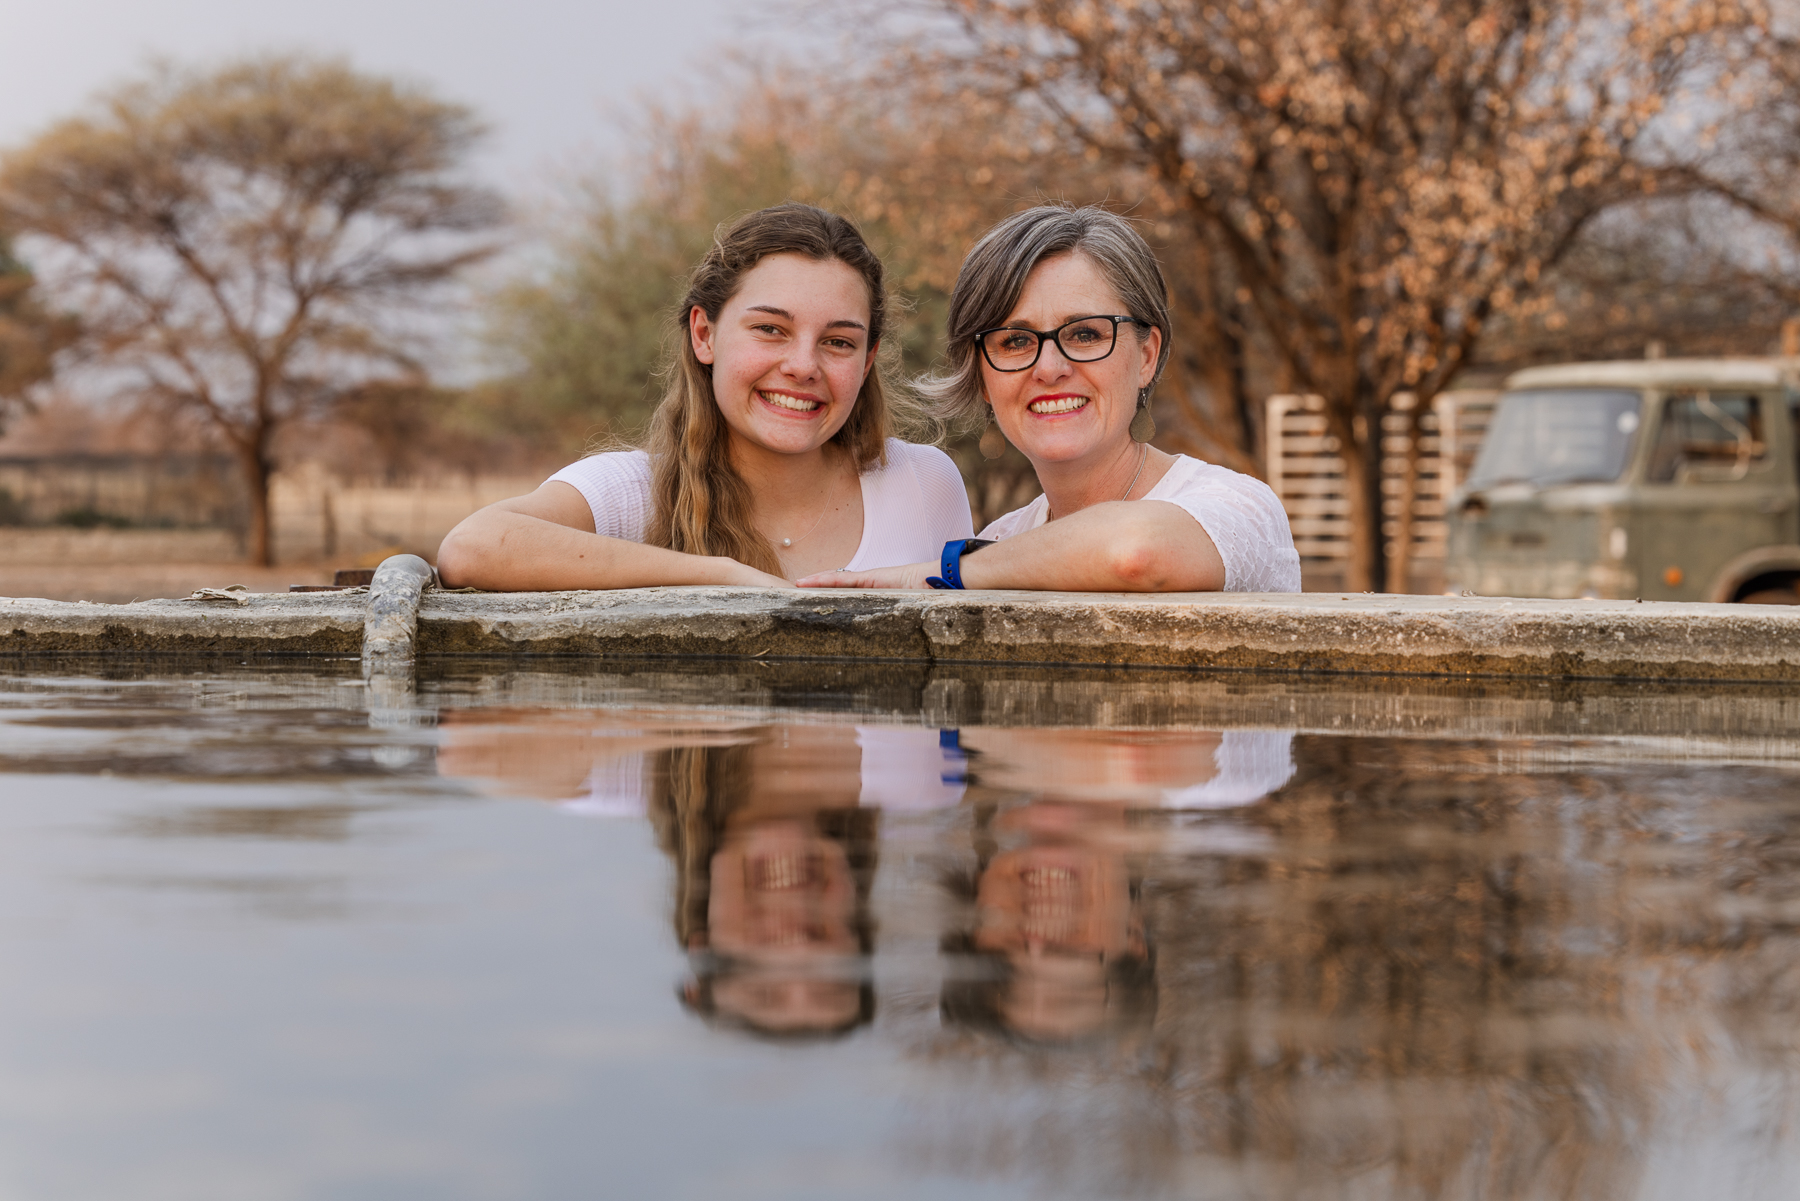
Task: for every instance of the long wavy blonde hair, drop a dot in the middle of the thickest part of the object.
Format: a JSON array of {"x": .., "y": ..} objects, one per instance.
[{"x": 701, "y": 505}]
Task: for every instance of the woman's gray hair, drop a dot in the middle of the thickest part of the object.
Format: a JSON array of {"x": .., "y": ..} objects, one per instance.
[{"x": 993, "y": 277}]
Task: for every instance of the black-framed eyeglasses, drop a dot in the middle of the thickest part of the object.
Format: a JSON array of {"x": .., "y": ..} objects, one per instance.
[{"x": 1084, "y": 340}]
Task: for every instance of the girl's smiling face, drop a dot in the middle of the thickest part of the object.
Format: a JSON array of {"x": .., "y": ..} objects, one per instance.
[
  {"x": 1057, "y": 411},
  {"x": 789, "y": 352}
]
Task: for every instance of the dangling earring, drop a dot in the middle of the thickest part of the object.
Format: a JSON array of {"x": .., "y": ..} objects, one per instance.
[
  {"x": 1143, "y": 426},
  {"x": 993, "y": 442}
]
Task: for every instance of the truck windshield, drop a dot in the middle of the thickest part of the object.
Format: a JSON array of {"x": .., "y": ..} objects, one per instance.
[{"x": 1558, "y": 436}]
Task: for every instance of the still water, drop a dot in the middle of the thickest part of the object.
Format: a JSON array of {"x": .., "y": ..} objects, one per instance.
[{"x": 727, "y": 931}]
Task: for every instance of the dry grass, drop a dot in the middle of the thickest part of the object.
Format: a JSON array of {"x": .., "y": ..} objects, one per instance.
[{"x": 121, "y": 583}]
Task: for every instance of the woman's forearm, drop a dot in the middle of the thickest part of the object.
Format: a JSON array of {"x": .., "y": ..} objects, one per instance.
[
  {"x": 1123, "y": 546},
  {"x": 508, "y": 551}
]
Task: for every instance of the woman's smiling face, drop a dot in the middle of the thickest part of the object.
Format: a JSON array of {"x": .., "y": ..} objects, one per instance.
[
  {"x": 789, "y": 352},
  {"x": 1057, "y": 411}
]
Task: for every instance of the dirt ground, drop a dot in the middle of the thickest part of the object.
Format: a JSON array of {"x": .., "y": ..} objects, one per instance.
[{"x": 121, "y": 583}]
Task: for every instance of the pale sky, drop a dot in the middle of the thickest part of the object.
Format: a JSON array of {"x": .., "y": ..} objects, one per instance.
[{"x": 549, "y": 76}]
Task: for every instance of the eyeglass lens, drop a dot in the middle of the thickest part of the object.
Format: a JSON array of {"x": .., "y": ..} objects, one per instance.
[{"x": 1080, "y": 341}]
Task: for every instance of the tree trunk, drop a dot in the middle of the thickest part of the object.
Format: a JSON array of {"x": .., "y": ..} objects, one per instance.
[
  {"x": 1209, "y": 362},
  {"x": 1399, "y": 569},
  {"x": 1366, "y": 568},
  {"x": 1219, "y": 433},
  {"x": 260, "y": 539}
]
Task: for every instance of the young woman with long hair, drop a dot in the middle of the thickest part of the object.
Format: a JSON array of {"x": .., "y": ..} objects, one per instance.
[{"x": 770, "y": 456}]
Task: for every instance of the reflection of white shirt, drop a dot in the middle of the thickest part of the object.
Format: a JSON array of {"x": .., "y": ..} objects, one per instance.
[
  {"x": 1240, "y": 513},
  {"x": 615, "y": 788},
  {"x": 911, "y": 507},
  {"x": 908, "y": 769},
  {"x": 1250, "y": 764},
  {"x": 903, "y": 768}
]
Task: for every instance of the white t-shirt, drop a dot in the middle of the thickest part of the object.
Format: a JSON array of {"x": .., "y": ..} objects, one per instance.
[
  {"x": 1240, "y": 513},
  {"x": 911, "y": 507},
  {"x": 907, "y": 769},
  {"x": 1248, "y": 766},
  {"x": 903, "y": 769}
]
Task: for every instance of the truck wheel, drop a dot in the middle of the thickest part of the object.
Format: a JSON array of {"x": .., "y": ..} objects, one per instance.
[{"x": 1770, "y": 588}]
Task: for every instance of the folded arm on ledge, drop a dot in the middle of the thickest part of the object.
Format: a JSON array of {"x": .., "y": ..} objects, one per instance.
[
  {"x": 545, "y": 542},
  {"x": 1120, "y": 546}
]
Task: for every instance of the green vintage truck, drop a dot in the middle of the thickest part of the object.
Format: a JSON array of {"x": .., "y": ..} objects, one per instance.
[{"x": 1665, "y": 479}]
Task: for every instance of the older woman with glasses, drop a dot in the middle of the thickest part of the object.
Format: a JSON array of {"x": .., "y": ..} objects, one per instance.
[{"x": 1059, "y": 328}]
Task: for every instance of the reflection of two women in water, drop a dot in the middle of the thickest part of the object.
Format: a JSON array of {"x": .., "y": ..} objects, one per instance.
[
  {"x": 773, "y": 832},
  {"x": 1346, "y": 983}
]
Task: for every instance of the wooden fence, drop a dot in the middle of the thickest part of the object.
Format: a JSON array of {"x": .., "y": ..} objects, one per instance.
[
  {"x": 192, "y": 509},
  {"x": 175, "y": 491},
  {"x": 1307, "y": 471}
]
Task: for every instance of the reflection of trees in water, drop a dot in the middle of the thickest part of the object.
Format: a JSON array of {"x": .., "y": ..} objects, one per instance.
[
  {"x": 1443, "y": 982},
  {"x": 288, "y": 823}
]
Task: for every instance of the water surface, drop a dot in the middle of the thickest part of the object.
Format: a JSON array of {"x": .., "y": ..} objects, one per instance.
[{"x": 743, "y": 932}]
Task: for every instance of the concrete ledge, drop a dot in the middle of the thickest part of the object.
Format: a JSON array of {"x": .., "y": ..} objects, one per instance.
[
  {"x": 1310, "y": 634},
  {"x": 1307, "y": 634},
  {"x": 270, "y": 624}
]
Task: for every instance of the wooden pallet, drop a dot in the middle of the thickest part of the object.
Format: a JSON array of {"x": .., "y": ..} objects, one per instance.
[{"x": 1307, "y": 471}]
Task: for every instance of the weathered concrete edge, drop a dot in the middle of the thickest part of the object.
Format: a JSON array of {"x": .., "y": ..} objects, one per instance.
[
  {"x": 1362, "y": 635},
  {"x": 279, "y": 625},
  {"x": 1308, "y": 635}
]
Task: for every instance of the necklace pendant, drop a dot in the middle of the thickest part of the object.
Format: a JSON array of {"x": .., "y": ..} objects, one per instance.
[{"x": 787, "y": 542}]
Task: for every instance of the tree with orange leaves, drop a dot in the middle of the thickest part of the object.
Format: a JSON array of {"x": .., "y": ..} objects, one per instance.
[{"x": 1368, "y": 185}]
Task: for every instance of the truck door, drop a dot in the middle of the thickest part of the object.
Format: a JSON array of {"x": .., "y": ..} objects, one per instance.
[{"x": 1711, "y": 492}]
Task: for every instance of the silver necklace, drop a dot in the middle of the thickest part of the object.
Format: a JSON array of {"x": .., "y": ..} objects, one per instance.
[
  {"x": 1049, "y": 516},
  {"x": 1135, "y": 474}
]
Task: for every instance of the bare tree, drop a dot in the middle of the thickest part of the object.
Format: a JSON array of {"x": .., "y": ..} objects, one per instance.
[
  {"x": 1757, "y": 241},
  {"x": 30, "y": 334},
  {"x": 1367, "y": 184},
  {"x": 248, "y": 243},
  {"x": 1653, "y": 274}
]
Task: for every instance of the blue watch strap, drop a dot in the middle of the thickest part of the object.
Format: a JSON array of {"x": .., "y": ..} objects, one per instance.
[
  {"x": 948, "y": 576},
  {"x": 950, "y": 564}
]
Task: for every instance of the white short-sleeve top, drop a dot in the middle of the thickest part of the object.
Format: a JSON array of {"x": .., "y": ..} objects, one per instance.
[
  {"x": 1240, "y": 513},
  {"x": 903, "y": 769},
  {"x": 911, "y": 506},
  {"x": 907, "y": 769}
]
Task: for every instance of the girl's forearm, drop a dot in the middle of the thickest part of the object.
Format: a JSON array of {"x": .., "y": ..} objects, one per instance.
[{"x": 513, "y": 552}]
